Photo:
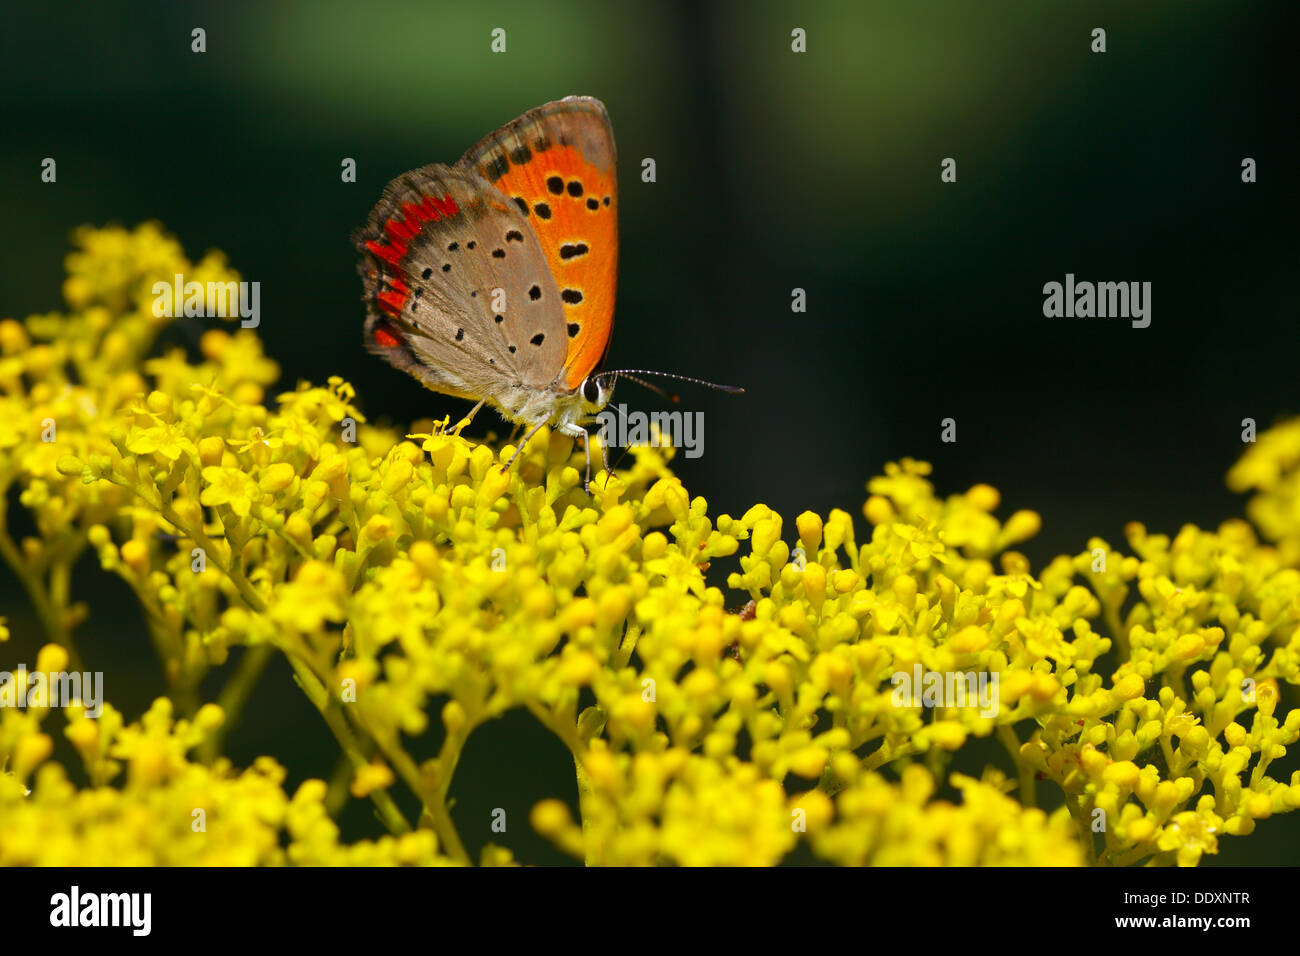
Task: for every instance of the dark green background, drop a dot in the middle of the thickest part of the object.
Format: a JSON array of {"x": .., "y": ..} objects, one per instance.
[{"x": 775, "y": 171}]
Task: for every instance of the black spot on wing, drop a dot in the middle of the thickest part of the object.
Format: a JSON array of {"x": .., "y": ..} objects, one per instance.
[
  {"x": 496, "y": 167},
  {"x": 571, "y": 296}
]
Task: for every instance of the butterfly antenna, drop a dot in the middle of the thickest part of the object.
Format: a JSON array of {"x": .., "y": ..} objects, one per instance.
[
  {"x": 630, "y": 372},
  {"x": 671, "y": 396}
]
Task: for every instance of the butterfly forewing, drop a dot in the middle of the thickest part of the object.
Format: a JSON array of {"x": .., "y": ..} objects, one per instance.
[
  {"x": 557, "y": 166},
  {"x": 459, "y": 289}
]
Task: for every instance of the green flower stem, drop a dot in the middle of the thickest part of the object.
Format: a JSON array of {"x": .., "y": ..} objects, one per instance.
[
  {"x": 434, "y": 805},
  {"x": 593, "y": 852},
  {"x": 61, "y": 575},
  {"x": 1028, "y": 784},
  {"x": 234, "y": 695},
  {"x": 1174, "y": 679},
  {"x": 348, "y": 514},
  {"x": 169, "y": 645},
  {"x": 568, "y": 735},
  {"x": 829, "y": 783},
  {"x": 51, "y": 605},
  {"x": 1118, "y": 634},
  {"x": 1085, "y": 831},
  {"x": 230, "y": 570},
  {"x": 434, "y": 801},
  {"x": 878, "y": 758},
  {"x": 336, "y": 798},
  {"x": 625, "y": 649},
  {"x": 1168, "y": 751},
  {"x": 315, "y": 691},
  {"x": 237, "y": 691},
  {"x": 449, "y": 756},
  {"x": 1261, "y": 768},
  {"x": 1127, "y": 858}
]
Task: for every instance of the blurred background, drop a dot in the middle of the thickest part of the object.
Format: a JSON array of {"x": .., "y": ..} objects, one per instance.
[{"x": 776, "y": 171}]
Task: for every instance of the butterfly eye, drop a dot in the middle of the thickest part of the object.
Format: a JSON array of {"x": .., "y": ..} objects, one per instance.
[{"x": 591, "y": 391}]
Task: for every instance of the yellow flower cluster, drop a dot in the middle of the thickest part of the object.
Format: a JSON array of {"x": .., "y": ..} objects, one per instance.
[
  {"x": 169, "y": 811},
  {"x": 404, "y": 578},
  {"x": 1271, "y": 468}
]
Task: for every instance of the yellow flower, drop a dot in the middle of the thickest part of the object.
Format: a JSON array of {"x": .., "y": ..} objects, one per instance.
[
  {"x": 315, "y": 596},
  {"x": 228, "y": 486},
  {"x": 168, "y": 440},
  {"x": 1191, "y": 834}
]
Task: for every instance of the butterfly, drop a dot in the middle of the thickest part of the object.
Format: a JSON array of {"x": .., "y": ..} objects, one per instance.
[{"x": 493, "y": 279}]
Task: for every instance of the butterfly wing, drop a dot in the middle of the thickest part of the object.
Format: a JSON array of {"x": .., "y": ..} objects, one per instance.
[
  {"x": 458, "y": 290},
  {"x": 557, "y": 165}
]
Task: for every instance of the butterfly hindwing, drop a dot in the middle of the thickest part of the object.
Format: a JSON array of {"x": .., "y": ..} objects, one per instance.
[
  {"x": 459, "y": 291},
  {"x": 557, "y": 165}
]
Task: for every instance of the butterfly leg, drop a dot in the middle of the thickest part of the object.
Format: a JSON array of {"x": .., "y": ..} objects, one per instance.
[
  {"x": 578, "y": 432},
  {"x": 522, "y": 445},
  {"x": 464, "y": 422},
  {"x": 586, "y": 450}
]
